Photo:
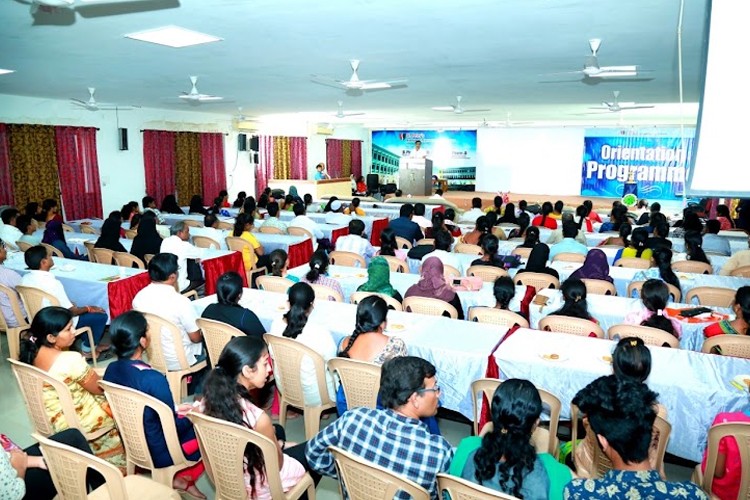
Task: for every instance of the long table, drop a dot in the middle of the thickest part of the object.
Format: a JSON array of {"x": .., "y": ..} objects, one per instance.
[{"x": 373, "y": 225}]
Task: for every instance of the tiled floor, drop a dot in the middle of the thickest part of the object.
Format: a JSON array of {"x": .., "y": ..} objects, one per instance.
[{"x": 15, "y": 423}]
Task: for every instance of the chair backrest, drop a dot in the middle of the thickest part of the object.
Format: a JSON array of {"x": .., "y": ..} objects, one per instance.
[
  {"x": 271, "y": 283},
  {"x": 350, "y": 259},
  {"x": 34, "y": 299},
  {"x": 650, "y": 336},
  {"x": 67, "y": 228},
  {"x": 468, "y": 248},
  {"x": 429, "y": 306},
  {"x": 157, "y": 328},
  {"x": 104, "y": 255},
  {"x": 461, "y": 489},
  {"x": 634, "y": 262},
  {"x": 237, "y": 244},
  {"x": 222, "y": 446},
  {"x": 356, "y": 297},
  {"x": 426, "y": 241},
  {"x": 500, "y": 317},
  {"x": 674, "y": 292},
  {"x": 270, "y": 230},
  {"x": 127, "y": 407},
  {"x": 125, "y": 259},
  {"x": 205, "y": 242},
  {"x": 711, "y": 296},
  {"x": 730, "y": 345},
  {"x": 740, "y": 431},
  {"x": 216, "y": 335},
  {"x": 23, "y": 246},
  {"x": 287, "y": 356},
  {"x": 539, "y": 281},
  {"x": 488, "y": 273},
  {"x": 403, "y": 243},
  {"x": 88, "y": 229},
  {"x": 361, "y": 381},
  {"x": 569, "y": 257},
  {"x": 567, "y": 324},
  {"x": 397, "y": 265},
  {"x": 89, "y": 245},
  {"x": 323, "y": 292},
  {"x": 147, "y": 258},
  {"x": 692, "y": 266},
  {"x": 599, "y": 287},
  {"x": 51, "y": 250},
  {"x": 130, "y": 233},
  {"x": 600, "y": 461},
  {"x": 225, "y": 225},
  {"x": 15, "y": 305},
  {"x": 521, "y": 252},
  {"x": 299, "y": 231},
  {"x": 365, "y": 480},
  {"x": 450, "y": 271},
  {"x": 743, "y": 272},
  {"x": 192, "y": 223}
]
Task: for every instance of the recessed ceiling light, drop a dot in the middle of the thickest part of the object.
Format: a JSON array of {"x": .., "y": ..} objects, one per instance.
[
  {"x": 173, "y": 36},
  {"x": 6, "y": 71}
]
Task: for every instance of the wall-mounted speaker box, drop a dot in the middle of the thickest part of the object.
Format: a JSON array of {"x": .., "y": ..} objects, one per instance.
[
  {"x": 254, "y": 143},
  {"x": 122, "y": 134},
  {"x": 241, "y": 142}
]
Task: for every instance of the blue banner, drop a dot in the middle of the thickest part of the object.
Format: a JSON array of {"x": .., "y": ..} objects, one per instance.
[{"x": 647, "y": 163}]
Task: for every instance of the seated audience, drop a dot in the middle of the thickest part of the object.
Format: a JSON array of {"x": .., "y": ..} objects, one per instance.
[
  {"x": 694, "y": 247},
  {"x": 335, "y": 214},
  {"x": 503, "y": 290},
  {"x": 51, "y": 210},
  {"x": 545, "y": 219},
  {"x": 55, "y": 235},
  {"x": 736, "y": 326},
  {"x": 389, "y": 437},
  {"x": 46, "y": 347},
  {"x": 471, "y": 216},
  {"x": 625, "y": 436},
  {"x": 662, "y": 262},
  {"x": 149, "y": 205},
  {"x": 419, "y": 210},
  {"x": 434, "y": 285},
  {"x": 489, "y": 253},
  {"x": 450, "y": 224},
  {"x": 318, "y": 273},
  {"x": 169, "y": 205},
  {"x": 296, "y": 324},
  {"x": 522, "y": 206},
  {"x": 148, "y": 240},
  {"x": 690, "y": 222},
  {"x": 295, "y": 197},
  {"x": 714, "y": 243},
  {"x": 355, "y": 241},
  {"x": 537, "y": 262},
  {"x": 273, "y": 218},
  {"x": 241, "y": 197},
  {"x": 443, "y": 242},
  {"x": 556, "y": 236},
  {"x": 250, "y": 207},
  {"x": 584, "y": 223},
  {"x": 34, "y": 210},
  {"x": 654, "y": 297},
  {"x": 189, "y": 274},
  {"x": 621, "y": 239},
  {"x": 523, "y": 223},
  {"x": 243, "y": 226},
  {"x": 244, "y": 367},
  {"x": 110, "y": 236},
  {"x": 574, "y": 301},
  {"x": 617, "y": 217},
  {"x": 354, "y": 209},
  {"x": 738, "y": 259},
  {"x": 278, "y": 262},
  {"x": 568, "y": 243},
  {"x": 361, "y": 186},
  {"x": 509, "y": 215},
  {"x": 659, "y": 237},
  {"x": 9, "y": 233},
  {"x": 128, "y": 210},
  {"x": 27, "y": 226},
  {"x": 595, "y": 267},
  {"x": 404, "y": 227},
  {"x": 11, "y": 279},
  {"x": 726, "y": 222},
  {"x": 439, "y": 224},
  {"x": 130, "y": 340},
  {"x": 162, "y": 299},
  {"x": 135, "y": 220},
  {"x": 228, "y": 309},
  {"x": 497, "y": 205},
  {"x": 379, "y": 279},
  {"x": 389, "y": 245},
  {"x": 505, "y": 459},
  {"x": 301, "y": 220},
  {"x": 481, "y": 229},
  {"x": 557, "y": 210},
  {"x": 641, "y": 210},
  {"x": 636, "y": 247},
  {"x": 309, "y": 205}
]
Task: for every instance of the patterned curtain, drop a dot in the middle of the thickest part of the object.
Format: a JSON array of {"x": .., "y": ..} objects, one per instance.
[
  {"x": 343, "y": 157},
  {"x": 264, "y": 169},
  {"x": 33, "y": 163},
  {"x": 187, "y": 171},
  {"x": 298, "y": 157},
  {"x": 334, "y": 156},
  {"x": 6, "y": 185},
  {"x": 290, "y": 157},
  {"x": 158, "y": 162},
  {"x": 356, "y": 158},
  {"x": 78, "y": 168},
  {"x": 213, "y": 171}
]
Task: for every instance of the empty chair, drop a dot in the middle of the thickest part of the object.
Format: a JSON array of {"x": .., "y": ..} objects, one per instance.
[
  {"x": 468, "y": 248},
  {"x": 488, "y": 273},
  {"x": 216, "y": 335},
  {"x": 500, "y": 317},
  {"x": 351, "y": 259},
  {"x": 104, "y": 256},
  {"x": 569, "y": 257},
  {"x": 743, "y": 272},
  {"x": 599, "y": 287},
  {"x": 674, "y": 292},
  {"x": 270, "y": 230},
  {"x": 273, "y": 283},
  {"x": 363, "y": 480},
  {"x": 403, "y": 243},
  {"x": 728, "y": 345},
  {"x": 68, "y": 467},
  {"x": 205, "y": 242},
  {"x": 397, "y": 265},
  {"x": 392, "y": 302},
  {"x": 13, "y": 334},
  {"x": 428, "y": 306},
  {"x": 125, "y": 259},
  {"x": 461, "y": 489},
  {"x": 323, "y": 292},
  {"x": 521, "y": 252},
  {"x": 650, "y": 336},
  {"x": 711, "y": 296},
  {"x": 539, "y": 281},
  {"x": 361, "y": 381},
  {"x": 634, "y": 262},
  {"x": 568, "y": 324},
  {"x": 692, "y": 266},
  {"x": 740, "y": 432}
]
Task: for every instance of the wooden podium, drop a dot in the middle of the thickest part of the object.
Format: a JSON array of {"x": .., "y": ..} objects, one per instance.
[
  {"x": 415, "y": 176},
  {"x": 318, "y": 189}
]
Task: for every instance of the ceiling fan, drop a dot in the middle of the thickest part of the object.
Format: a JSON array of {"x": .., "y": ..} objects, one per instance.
[
  {"x": 457, "y": 108},
  {"x": 592, "y": 69},
  {"x": 340, "y": 113},
  {"x": 93, "y": 105},
  {"x": 195, "y": 97},
  {"x": 355, "y": 86},
  {"x": 616, "y": 106}
]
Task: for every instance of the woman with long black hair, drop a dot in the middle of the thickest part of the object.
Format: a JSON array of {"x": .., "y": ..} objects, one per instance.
[
  {"x": 545, "y": 218},
  {"x": 574, "y": 300}
]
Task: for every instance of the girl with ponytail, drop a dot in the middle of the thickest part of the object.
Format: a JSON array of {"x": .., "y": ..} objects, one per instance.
[
  {"x": 662, "y": 259},
  {"x": 279, "y": 264},
  {"x": 574, "y": 297},
  {"x": 655, "y": 297},
  {"x": 295, "y": 325},
  {"x": 244, "y": 366},
  {"x": 694, "y": 247},
  {"x": 317, "y": 273},
  {"x": 545, "y": 220}
]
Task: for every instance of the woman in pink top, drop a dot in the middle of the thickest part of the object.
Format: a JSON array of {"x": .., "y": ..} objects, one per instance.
[
  {"x": 317, "y": 273},
  {"x": 655, "y": 296},
  {"x": 728, "y": 475}
]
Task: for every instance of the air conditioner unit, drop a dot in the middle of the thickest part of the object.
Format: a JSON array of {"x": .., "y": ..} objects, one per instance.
[
  {"x": 247, "y": 126},
  {"x": 324, "y": 129}
]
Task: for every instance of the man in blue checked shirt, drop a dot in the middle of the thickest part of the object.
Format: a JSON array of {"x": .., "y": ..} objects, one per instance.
[{"x": 394, "y": 437}]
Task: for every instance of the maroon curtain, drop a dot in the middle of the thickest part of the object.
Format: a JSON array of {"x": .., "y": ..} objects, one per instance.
[
  {"x": 264, "y": 169},
  {"x": 334, "y": 157},
  {"x": 78, "y": 169},
  {"x": 158, "y": 161},
  {"x": 356, "y": 158},
  {"x": 6, "y": 185},
  {"x": 213, "y": 170},
  {"x": 298, "y": 157}
]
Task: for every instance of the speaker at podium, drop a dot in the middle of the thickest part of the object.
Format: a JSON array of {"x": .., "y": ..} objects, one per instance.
[{"x": 415, "y": 176}]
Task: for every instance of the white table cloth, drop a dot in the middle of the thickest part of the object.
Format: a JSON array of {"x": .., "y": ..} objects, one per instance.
[{"x": 694, "y": 387}]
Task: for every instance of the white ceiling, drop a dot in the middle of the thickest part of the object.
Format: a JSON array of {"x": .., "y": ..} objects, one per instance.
[{"x": 497, "y": 54}]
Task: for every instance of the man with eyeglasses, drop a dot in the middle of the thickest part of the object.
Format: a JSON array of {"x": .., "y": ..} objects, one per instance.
[{"x": 394, "y": 437}]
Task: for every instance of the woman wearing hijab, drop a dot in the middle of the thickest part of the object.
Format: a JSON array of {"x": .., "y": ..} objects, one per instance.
[
  {"x": 170, "y": 206},
  {"x": 379, "y": 279},
  {"x": 110, "y": 237},
  {"x": 433, "y": 285},
  {"x": 55, "y": 236},
  {"x": 295, "y": 196},
  {"x": 595, "y": 267},
  {"x": 147, "y": 241},
  {"x": 537, "y": 262}
]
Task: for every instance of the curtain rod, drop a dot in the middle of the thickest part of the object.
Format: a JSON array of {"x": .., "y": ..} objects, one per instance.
[{"x": 192, "y": 132}]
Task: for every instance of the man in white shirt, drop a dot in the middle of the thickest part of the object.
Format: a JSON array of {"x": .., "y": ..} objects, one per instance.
[
  {"x": 211, "y": 229},
  {"x": 355, "y": 242},
  {"x": 11, "y": 279},
  {"x": 273, "y": 218},
  {"x": 419, "y": 218},
  {"x": 471, "y": 216},
  {"x": 418, "y": 153},
  {"x": 149, "y": 204},
  {"x": 301, "y": 220},
  {"x": 335, "y": 216},
  {"x": 161, "y": 298},
  {"x": 443, "y": 242},
  {"x": 9, "y": 233},
  {"x": 178, "y": 244},
  {"x": 40, "y": 262},
  {"x": 714, "y": 243}
]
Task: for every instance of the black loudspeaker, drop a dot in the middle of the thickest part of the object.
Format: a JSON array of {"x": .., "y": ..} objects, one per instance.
[
  {"x": 122, "y": 134},
  {"x": 254, "y": 143},
  {"x": 373, "y": 183},
  {"x": 241, "y": 142}
]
